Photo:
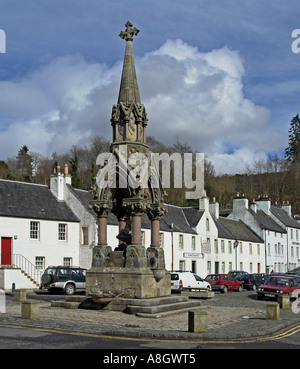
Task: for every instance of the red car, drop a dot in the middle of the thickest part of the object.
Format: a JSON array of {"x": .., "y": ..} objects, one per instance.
[
  {"x": 276, "y": 286},
  {"x": 223, "y": 283}
]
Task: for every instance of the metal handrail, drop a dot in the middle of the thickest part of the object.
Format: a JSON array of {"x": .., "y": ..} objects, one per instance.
[{"x": 19, "y": 261}]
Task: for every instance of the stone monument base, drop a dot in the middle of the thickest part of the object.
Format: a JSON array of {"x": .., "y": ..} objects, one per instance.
[{"x": 138, "y": 283}]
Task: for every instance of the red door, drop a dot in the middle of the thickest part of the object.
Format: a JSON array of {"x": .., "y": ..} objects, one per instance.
[{"x": 5, "y": 251}]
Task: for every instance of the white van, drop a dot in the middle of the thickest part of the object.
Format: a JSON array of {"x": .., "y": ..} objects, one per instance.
[{"x": 182, "y": 280}]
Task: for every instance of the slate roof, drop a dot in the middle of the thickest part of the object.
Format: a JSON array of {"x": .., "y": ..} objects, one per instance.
[
  {"x": 85, "y": 197},
  {"x": 27, "y": 200},
  {"x": 284, "y": 217},
  {"x": 232, "y": 229},
  {"x": 176, "y": 215},
  {"x": 266, "y": 222},
  {"x": 193, "y": 215}
]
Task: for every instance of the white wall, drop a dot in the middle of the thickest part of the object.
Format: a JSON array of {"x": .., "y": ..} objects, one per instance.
[
  {"x": 10, "y": 276},
  {"x": 47, "y": 246}
]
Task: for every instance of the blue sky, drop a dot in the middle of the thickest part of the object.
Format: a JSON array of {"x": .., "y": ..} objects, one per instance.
[{"x": 218, "y": 74}]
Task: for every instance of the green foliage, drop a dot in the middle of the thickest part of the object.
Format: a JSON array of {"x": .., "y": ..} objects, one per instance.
[
  {"x": 292, "y": 152},
  {"x": 24, "y": 168}
]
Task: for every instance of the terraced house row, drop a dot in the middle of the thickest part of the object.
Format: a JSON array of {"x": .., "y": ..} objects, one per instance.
[{"x": 41, "y": 226}]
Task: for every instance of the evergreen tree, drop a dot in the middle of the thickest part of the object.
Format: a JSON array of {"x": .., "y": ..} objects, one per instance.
[
  {"x": 74, "y": 162},
  {"x": 292, "y": 152},
  {"x": 4, "y": 170},
  {"x": 24, "y": 164}
]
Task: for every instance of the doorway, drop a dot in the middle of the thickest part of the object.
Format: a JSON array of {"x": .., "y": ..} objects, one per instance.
[
  {"x": 5, "y": 251},
  {"x": 216, "y": 267}
]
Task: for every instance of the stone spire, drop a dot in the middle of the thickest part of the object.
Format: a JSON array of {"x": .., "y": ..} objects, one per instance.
[
  {"x": 129, "y": 90},
  {"x": 129, "y": 117}
]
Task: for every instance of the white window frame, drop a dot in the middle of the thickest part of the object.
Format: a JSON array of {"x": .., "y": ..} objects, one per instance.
[
  {"x": 63, "y": 232},
  {"x": 193, "y": 243},
  {"x": 84, "y": 237},
  {"x": 68, "y": 261},
  {"x": 34, "y": 230},
  {"x": 40, "y": 262},
  {"x": 181, "y": 242}
]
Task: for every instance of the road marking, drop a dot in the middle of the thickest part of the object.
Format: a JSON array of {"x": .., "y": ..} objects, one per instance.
[
  {"x": 282, "y": 335},
  {"x": 285, "y": 334},
  {"x": 18, "y": 332}
]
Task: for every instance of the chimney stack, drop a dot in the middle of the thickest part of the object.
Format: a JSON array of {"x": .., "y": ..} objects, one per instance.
[
  {"x": 58, "y": 181},
  {"x": 214, "y": 208}
]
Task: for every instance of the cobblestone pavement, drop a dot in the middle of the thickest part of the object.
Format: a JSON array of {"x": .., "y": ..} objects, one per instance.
[{"x": 230, "y": 316}]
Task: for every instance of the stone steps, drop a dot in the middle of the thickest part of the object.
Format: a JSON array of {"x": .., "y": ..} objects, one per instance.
[
  {"x": 160, "y": 310},
  {"x": 147, "y": 308},
  {"x": 71, "y": 302},
  {"x": 65, "y": 304},
  {"x": 168, "y": 313}
]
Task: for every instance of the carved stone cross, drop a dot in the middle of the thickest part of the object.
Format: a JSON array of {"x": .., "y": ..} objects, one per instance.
[{"x": 129, "y": 33}]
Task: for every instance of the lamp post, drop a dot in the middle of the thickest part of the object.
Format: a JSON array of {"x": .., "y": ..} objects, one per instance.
[{"x": 235, "y": 245}]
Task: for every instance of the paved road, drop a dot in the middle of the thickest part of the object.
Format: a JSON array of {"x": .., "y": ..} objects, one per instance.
[
  {"x": 231, "y": 313},
  {"x": 28, "y": 338}
]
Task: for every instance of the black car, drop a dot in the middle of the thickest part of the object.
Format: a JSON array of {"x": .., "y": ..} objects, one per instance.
[
  {"x": 235, "y": 273},
  {"x": 251, "y": 281}
]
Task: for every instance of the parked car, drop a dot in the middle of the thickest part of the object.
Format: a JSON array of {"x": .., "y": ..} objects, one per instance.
[
  {"x": 223, "y": 283},
  {"x": 297, "y": 277},
  {"x": 235, "y": 273},
  {"x": 251, "y": 281},
  {"x": 259, "y": 278},
  {"x": 276, "y": 286},
  {"x": 182, "y": 280},
  {"x": 64, "y": 278}
]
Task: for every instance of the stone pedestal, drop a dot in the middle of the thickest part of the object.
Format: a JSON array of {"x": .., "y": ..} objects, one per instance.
[
  {"x": 198, "y": 321},
  {"x": 272, "y": 311},
  {"x": 136, "y": 283},
  {"x": 20, "y": 295},
  {"x": 30, "y": 310},
  {"x": 284, "y": 302}
]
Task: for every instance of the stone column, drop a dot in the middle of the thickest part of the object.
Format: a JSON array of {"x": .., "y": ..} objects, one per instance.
[
  {"x": 102, "y": 251},
  {"x": 155, "y": 227},
  {"x": 156, "y": 212},
  {"x": 136, "y": 229},
  {"x": 101, "y": 208},
  {"x": 155, "y": 254},
  {"x": 102, "y": 230},
  {"x": 116, "y": 132}
]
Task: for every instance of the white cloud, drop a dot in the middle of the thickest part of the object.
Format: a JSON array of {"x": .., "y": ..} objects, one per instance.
[
  {"x": 195, "y": 96},
  {"x": 199, "y": 98}
]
